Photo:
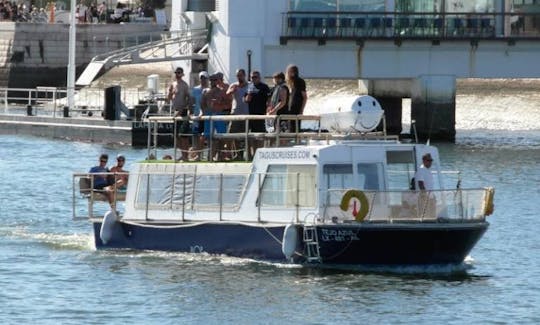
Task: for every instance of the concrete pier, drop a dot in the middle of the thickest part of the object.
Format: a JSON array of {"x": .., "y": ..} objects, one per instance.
[
  {"x": 81, "y": 129},
  {"x": 433, "y": 107},
  {"x": 433, "y": 104}
]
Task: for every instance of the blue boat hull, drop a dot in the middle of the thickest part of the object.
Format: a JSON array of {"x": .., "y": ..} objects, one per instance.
[{"x": 361, "y": 244}]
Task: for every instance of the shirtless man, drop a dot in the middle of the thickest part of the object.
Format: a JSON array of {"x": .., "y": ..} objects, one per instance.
[
  {"x": 179, "y": 97},
  {"x": 214, "y": 102}
]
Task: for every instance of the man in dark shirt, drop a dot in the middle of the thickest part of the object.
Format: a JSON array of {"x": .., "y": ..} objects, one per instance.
[
  {"x": 100, "y": 180},
  {"x": 298, "y": 97},
  {"x": 256, "y": 97}
]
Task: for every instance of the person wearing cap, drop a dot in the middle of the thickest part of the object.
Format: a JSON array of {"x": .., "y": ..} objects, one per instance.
[
  {"x": 179, "y": 98},
  {"x": 423, "y": 176},
  {"x": 427, "y": 203},
  {"x": 120, "y": 178},
  {"x": 196, "y": 97}
]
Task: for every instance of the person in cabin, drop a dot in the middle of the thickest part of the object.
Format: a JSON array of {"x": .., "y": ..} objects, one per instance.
[
  {"x": 298, "y": 95},
  {"x": 179, "y": 98},
  {"x": 277, "y": 103}
]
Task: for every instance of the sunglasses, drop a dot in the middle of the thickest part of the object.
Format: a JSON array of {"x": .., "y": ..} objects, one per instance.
[{"x": 103, "y": 161}]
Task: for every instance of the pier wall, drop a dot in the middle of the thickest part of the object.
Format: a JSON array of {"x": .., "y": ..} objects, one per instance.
[
  {"x": 93, "y": 130},
  {"x": 34, "y": 55}
]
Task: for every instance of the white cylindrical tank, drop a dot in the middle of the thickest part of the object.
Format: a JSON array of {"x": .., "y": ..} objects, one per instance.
[
  {"x": 359, "y": 113},
  {"x": 152, "y": 83}
]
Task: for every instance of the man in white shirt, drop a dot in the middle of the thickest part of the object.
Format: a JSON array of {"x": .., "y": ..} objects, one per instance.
[
  {"x": 424, "y": 182},
  {"x": 423, "y": 176}
]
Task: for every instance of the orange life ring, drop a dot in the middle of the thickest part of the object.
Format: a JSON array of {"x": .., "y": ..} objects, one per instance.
[{"x": 489, "y": 207}]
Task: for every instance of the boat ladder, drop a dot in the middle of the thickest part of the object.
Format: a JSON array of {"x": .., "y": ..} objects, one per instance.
[{"x": 312, "y": 244}]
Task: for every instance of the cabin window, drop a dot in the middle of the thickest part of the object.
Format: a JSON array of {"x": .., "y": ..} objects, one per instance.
[
  {"x": 369, "y": 175},
  {"x": 339, "y": 176},
  {"x": 289, "y": 186},
  {"x": 166, "y": 190},
  {"x": 400, "y": 169},
  {"x": 208, "y": 194},
  {"x": 169, "y": 191}
]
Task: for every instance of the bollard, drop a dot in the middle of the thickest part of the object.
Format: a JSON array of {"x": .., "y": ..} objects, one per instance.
[
  {"x": 29, "y": 110},
  {"x": 66, "y": 111}
]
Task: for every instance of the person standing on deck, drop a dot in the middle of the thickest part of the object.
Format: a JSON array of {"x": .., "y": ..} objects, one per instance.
[
  {"x": 257, "y": 97},
  {"x": 198, "y": 126},
  {"x": 423, "y": 176},
  {"x": 277, "y": 102},
  {"x": 214, "y": 102},
  {"x": 298, "y": 97},
  {"x": 237, "y": 91},
  {"x": 424, "y": 183},
  {"x": 179, "y": 98}
]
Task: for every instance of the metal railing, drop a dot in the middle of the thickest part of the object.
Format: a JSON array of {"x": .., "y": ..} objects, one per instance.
[
  {"x": 306, "y": 127},
  {"x": 83, "y": 189},
  {"x": 399, "y": 206},
  {"x": 50, "y": 101},
  {"x": 408, "y": 25}
]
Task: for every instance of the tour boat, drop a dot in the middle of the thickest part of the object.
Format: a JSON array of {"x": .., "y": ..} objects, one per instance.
[{"x": 340, "y": 197}]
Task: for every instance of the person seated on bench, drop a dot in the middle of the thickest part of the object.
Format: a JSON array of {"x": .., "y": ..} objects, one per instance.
[
  {"x": 119, "y": 181},
  {"x": 100, "y": 181}
]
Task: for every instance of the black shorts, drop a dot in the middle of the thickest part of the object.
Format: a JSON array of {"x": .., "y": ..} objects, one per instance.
[
  {"x": 237, "y": 127},
  {"x": 183, "y": 128}
]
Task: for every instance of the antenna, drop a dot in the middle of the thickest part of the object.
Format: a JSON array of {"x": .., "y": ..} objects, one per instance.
[{"x": 413, "y": 124}]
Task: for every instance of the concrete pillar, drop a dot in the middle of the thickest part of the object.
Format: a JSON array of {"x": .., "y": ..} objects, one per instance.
[
  {"x": 392, "y": 113},
  {"x": 433, "y": 107},
  {"x": 389, "y": 93}
]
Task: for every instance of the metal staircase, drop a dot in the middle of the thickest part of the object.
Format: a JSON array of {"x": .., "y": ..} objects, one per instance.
[
  {"x": 311, "y": 241},
  {"x": 185, "y": 45}
]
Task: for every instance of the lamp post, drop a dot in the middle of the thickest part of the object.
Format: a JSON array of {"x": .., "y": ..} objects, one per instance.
[
  {"x": 71, "y": 57},
  {"x": 249, "y": 52}
]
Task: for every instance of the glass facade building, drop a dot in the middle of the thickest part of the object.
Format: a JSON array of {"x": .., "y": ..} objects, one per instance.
[{"x": 450, "y": 6}]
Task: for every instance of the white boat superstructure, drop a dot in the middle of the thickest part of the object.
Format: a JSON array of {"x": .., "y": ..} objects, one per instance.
[{"x": 315, "y": 197}]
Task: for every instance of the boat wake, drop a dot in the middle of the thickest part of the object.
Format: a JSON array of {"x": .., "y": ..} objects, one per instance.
[{"x": 55, "y": 241}]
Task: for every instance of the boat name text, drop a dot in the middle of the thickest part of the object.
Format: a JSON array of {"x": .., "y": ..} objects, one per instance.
[
  {"x": 338, "y": 235},
  {"x": 297, "y": 154}
]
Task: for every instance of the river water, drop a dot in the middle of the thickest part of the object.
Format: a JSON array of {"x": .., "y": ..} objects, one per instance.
[{"x": 50, "y": 273}]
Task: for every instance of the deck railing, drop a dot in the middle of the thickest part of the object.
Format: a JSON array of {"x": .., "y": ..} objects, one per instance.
[
  {"x": 396, "y": 206},
  {"x": 83, "y": 190},
  {"x": 222, "y": 146},
  {"x": 50, "y": 101},
  {"x": 405, "y": 25},
  {"x": 176, "y": 194}
]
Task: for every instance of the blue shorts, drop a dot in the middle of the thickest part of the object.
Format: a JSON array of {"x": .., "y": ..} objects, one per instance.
[{"x": 219, "y": 127}]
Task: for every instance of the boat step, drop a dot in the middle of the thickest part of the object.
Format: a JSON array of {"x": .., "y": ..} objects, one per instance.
[{"x": 312, "y": 244}]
